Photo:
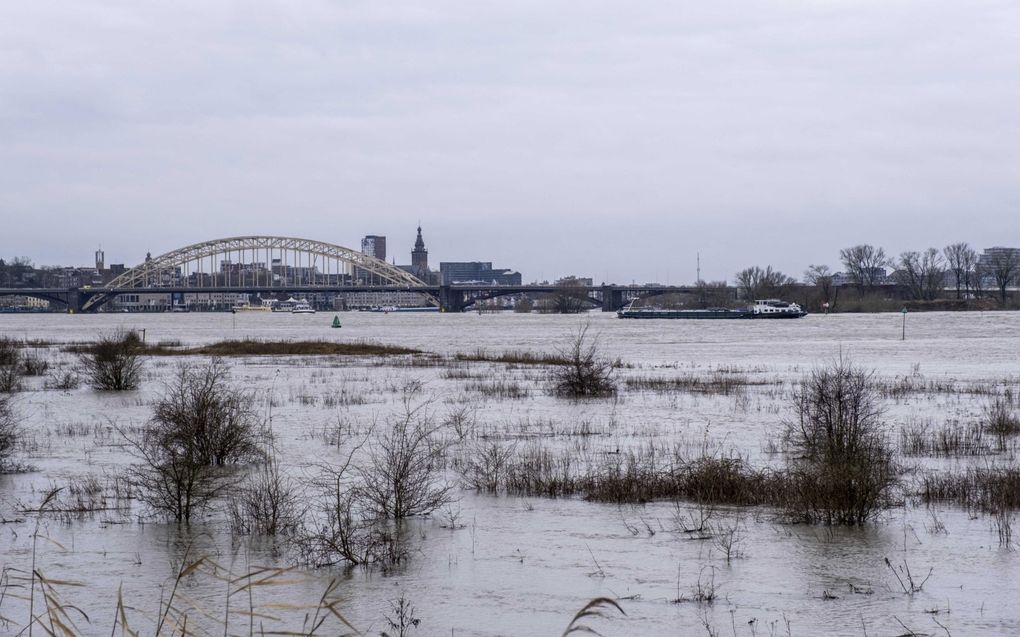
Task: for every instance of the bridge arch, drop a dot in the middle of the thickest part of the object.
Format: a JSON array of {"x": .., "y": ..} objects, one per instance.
[{"x": 318, "y": 263}]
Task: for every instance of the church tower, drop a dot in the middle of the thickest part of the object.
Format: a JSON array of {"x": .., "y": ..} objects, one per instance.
[{"x": 420, "y": 257}]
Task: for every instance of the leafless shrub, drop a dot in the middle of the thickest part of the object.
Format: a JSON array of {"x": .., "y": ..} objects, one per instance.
[
  {"x": 114, "y": 363},
  {"x": 65, "y": 380},
  {"x": 10, "y": 366},
  {"x": 1001, "y": 421},
  {"x": 265, "y": 503},
  {"x": 727, "y": 538},
  {"x": 403, "y": 619},
  {"x": 199, "y": 425},
  {"x": 343, "y": 531},
  {"x": 843, "y": 471},
  {"x": 488, "y": 464},
  {"x": 587, "y": 373},
  {"x": 33, "y": 365},
  {"x": 402, "y": 476},
  {"x": 173, "y": 480},
  {"x": 199, "y": 410},
  {"x": 462, "y": 420},
  {"x": 9, "y": 432}
]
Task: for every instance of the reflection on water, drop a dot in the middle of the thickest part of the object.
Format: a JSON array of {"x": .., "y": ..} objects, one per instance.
[{"x": 523, "y": 566}]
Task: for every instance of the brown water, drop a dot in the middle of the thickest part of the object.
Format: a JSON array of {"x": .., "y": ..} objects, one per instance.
[{"x": 524, "y": 566}]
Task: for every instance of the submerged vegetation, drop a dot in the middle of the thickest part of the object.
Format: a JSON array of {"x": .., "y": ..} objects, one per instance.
[
  {"x": 353, "y": 464},
  {"x": 114, "y": 362}
]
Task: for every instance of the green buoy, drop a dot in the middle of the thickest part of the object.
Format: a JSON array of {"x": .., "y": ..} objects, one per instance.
[{"x": 336, "y": 321}]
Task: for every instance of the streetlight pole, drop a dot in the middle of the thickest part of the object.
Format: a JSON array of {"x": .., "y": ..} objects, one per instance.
[{"x": 903, "y": 337}]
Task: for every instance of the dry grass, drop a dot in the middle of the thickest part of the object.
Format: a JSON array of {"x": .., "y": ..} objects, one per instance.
[
  {"x": 515, "y": 357},
  {"x": 260, "y": 347},
  {"x": 254, "y": 347}
]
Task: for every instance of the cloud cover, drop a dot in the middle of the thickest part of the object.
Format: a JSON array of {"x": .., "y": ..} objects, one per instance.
[{"x": 606, "y": 139}]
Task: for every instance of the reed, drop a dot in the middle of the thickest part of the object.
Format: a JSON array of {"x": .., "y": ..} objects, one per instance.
[
  {"x": 951, "y": 439},
  {"x": 991, "y": 488}
]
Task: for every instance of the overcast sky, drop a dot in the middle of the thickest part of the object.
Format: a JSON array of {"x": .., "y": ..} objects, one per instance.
[{"x": 596, "y": 137}]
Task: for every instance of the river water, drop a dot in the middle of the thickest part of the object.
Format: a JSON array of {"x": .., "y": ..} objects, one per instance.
[{"x": 524, "y": 566}]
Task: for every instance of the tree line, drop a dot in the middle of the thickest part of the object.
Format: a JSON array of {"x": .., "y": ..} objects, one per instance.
[{"x": 921, "y": 275}]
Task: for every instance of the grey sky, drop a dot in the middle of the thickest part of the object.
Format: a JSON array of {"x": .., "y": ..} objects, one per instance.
[{"x": 603, "y": 138}]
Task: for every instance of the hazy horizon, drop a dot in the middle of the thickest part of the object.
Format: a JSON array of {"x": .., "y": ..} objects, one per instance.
[{"x": 553, "y": 138}]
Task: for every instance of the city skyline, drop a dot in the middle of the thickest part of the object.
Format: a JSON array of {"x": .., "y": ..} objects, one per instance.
[{"x": 605, "y": 142}]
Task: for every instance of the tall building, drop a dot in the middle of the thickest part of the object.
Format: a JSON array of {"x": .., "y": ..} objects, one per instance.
[
  {"x": 453, "y": 272},
  {"x": 100, "y": 260},
  {"x": 374, "y": 246},
  {"x": 419, "y": 258}
]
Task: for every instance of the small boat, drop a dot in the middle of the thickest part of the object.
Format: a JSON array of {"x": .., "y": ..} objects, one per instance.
[
  {"x": 762, "y": 309},
  {"x": 336, "y": 321},
  {"x": 302, "y": 307}
]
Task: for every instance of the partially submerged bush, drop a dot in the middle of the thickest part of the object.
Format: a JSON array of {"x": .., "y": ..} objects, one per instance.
[
  {"x": 201, "y": 411},
  {"x": 403, "y": 475},
  {"x": 1001, "y": 421},
  {"x": 586, "y": 373},
  {"x": 843, "y": 468},
  {"x": 8, "y": 432},
  {"x": 359, "y": 515},
  {"x": 10, "y": 366},
  {"x": 32, "y": 365},
  {"x": 265, "y": 503},
  {"x": 200, "y": 424},
  {"x": 114, "y": 363}
]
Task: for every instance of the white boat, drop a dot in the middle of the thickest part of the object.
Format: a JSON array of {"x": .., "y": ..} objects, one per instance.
[
  {"x": 774, "y": 308},
  {"x": 302, "y": 307}
]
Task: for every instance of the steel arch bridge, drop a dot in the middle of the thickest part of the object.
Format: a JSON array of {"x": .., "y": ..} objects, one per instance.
[{"x": 262, "y": 262}]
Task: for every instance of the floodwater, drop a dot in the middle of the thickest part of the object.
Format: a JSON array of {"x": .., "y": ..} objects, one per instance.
[{"x": 503, "y": 565}]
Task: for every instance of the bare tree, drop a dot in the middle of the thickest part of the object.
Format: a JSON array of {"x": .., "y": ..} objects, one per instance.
[
  {"x": 922, "y": 273},
  {"x": 1002, "y": 265},
  {"x": 961, "y": 260},
  {"x": 864, "y": 265},
  {"x": 820, "y": 276},
  {"x": 758, "y": 283},
  {"x": 115, "y": 362},
  {"x": 714, "y": 293}
]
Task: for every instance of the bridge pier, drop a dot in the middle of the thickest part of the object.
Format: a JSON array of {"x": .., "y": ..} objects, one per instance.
[
  {"x": 450, "y": 299},
  {"x": 612, "y": 299}
]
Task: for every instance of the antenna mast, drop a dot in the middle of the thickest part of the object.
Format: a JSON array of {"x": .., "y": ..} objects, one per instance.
[{"x": 699, "y": 269}]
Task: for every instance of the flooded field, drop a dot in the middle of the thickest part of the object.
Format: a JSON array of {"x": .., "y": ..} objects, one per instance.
[{"x": 519, "y": 544}]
